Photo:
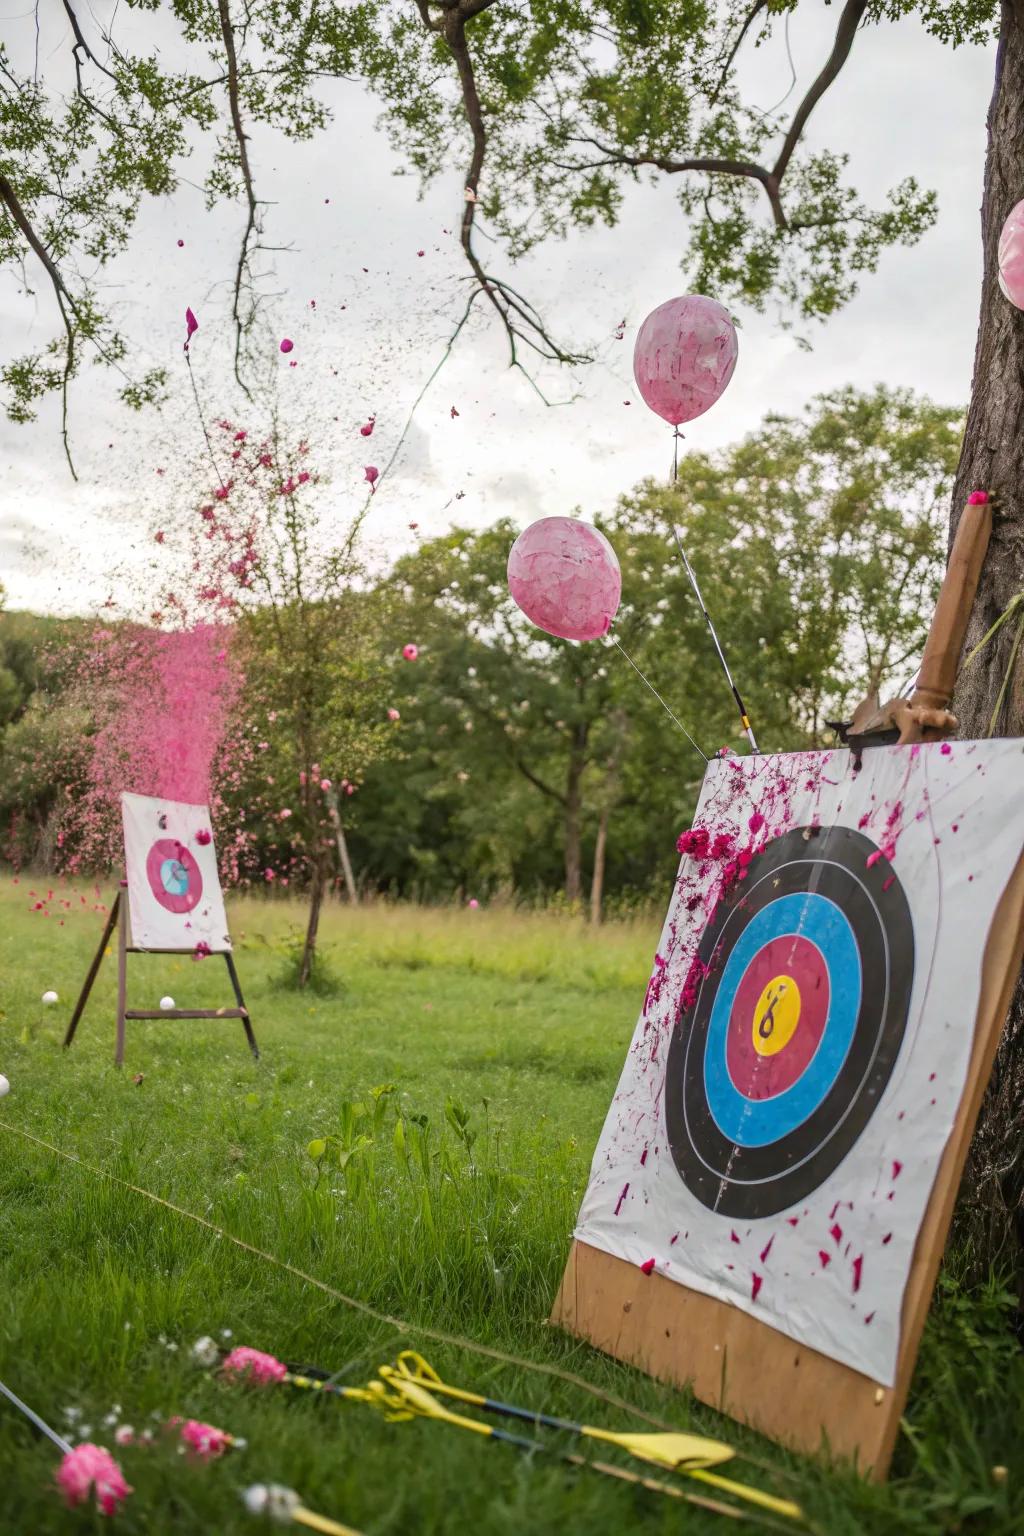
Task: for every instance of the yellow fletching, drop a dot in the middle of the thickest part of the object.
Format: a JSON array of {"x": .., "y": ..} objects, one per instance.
[
  {"x": 677, "y": 1452},
  {"x": 417, "y": 1398}
]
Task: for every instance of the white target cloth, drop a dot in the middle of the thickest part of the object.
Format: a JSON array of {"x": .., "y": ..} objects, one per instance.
[
  {"x": 174, "y": 894},
  {"x": 802, "y": 1050}
]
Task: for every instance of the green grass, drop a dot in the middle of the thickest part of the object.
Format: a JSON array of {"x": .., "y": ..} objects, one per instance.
[{"x": 519, "y": 1022}]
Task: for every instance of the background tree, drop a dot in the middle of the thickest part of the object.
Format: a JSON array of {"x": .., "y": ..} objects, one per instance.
[
  {"x": 310, "y": 642},
  {"x": 817, "y": 544}
]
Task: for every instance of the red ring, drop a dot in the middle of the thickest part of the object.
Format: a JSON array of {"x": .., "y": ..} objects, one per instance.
[
  {"x": 170, "y": 848},
  {"x": 763, "y": 1077}
]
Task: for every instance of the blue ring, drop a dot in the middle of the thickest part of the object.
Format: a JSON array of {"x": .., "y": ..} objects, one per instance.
[
  {"x": 174, "y": 877},
  {"x": 757, "y": 1123}
]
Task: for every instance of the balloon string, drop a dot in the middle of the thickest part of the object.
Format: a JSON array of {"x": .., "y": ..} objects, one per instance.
[
  {"x": 659, "y": 698},
  {"x": 744, "y": 717},
  {"x": 676, "y": 435}
]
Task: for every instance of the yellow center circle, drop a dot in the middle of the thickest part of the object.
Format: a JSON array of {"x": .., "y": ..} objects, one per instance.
[{"x": 776, "y": 1016}]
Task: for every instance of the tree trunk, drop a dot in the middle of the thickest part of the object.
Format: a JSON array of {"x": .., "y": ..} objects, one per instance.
[
  {"x": 990, "y": 1212},
  {"x": 339, "y": 838},
  {"x": 573, "y": 808},
  {"x": 316, "y": 896},
  {"x": 597, "y": 880}
]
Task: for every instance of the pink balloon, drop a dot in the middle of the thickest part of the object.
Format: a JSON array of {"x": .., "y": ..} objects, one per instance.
[
  {"x": 684, "y": 357},
  {"x": 565, "y": 577},
  {"x": 1011, "y": 256}
]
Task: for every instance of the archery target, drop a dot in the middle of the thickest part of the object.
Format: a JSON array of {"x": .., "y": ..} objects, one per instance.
[
  {"x": 174, "y": 896},
  {"x": 174, "y": 876},
  {"x": 781, "y": 1058}
]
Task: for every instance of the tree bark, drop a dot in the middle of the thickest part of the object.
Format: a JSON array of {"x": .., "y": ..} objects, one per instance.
[
  {"x": 339, "y": 838},
  {"x": 316, "y": 897},
  {"x": 597, "y": 879},
  {"x": 573, "y": 812},
  {"x": 990, "y": 1211}
]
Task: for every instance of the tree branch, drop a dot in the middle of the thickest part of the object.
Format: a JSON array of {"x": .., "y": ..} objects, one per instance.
[
  {"x": 252, "y": 218},
  {"x": 65, "y": 302},
  {"x": 846, "y": 32},
  {"x": 521, "y": 322},
  {"x": 748, "y": 22}
]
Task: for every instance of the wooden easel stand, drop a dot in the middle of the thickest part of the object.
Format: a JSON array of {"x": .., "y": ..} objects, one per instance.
[{"x": 119, "y": 914}]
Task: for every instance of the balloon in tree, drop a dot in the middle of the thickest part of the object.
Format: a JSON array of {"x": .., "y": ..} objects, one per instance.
[
  {"x": 565, "y": 577},
  {"x": 1011, "y": 256},
  {"x": 684, "y": 357}
]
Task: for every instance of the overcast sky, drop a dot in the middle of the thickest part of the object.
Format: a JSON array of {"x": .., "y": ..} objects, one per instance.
[{"x": 903, "y": 105}]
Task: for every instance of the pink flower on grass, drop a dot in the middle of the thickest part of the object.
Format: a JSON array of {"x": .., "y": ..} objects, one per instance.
[
  {"x": 284, "y": 814},
  {"x": 90, "y": 1470},
  {"x": 254, "y": 1365},
  {"x": 473, "y": 904},
  {"x": 191, "y": 326},
  {"x": 204, "y": 1441},
  {"x": 410, "y": 652},
  {"x": 325, "y": 785},
  {"x": 393, "y": 714}
]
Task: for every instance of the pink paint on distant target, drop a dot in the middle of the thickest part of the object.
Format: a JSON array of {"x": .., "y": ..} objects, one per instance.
[
  {"x": 1011, "y": 256},
  {"x": 684, "y": 357},
  {"x": 565, "y": 577}
]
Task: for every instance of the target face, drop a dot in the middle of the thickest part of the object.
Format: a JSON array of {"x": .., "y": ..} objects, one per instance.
[
  {"x": 779, "y": 1063},
  {"x": 174, "y": 876}
]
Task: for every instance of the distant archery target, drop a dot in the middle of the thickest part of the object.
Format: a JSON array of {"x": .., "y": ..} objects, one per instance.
[
  {"x": 174, "y": 876},
  {"x": 779, "y": 1063}
]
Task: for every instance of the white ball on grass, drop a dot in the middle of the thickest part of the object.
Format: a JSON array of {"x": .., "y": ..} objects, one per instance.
[
  {"x": 166, "y": 1003},
  {"x": 5, "y": 1086},
  {"x": 49, "y": 998}
]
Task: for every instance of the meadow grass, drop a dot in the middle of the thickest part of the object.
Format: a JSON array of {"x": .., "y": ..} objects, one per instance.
[{"x": 417, "y": 1135}]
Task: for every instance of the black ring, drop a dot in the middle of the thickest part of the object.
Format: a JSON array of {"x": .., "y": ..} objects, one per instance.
[{"x": 753, "y": 1181}]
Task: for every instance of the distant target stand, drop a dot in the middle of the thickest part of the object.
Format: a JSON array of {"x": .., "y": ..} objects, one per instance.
[{"x": 169, "y": 903}]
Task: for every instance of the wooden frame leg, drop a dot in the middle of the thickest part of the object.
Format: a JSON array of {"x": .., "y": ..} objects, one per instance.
[
  {"x": 97, "y": 961},
  {"x": 122, "y": 982},
  {"x": 246, "y": 1024}
]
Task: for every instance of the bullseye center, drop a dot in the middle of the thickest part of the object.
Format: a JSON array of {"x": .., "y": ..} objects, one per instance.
[{"x": 776, "y": 1015}]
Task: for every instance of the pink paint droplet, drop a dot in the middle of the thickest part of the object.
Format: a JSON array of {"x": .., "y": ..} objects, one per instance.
[
  {"x": 643, "y": 1157},
  {"x": 180, "y": 244},
  {"x": 836, "y": 1233},
  {"x": 756, "y": 822},
  {"x": 978, "y": 499},
  {"x": 372, "y": 474},
  {"x": 792, "y": 1220},
  {"x": 756, "y": 1281},
  {"x": 858, "y": 1267},
  {"x": 766, "y": 1250},
  {"x": 825, "y": 1258},
  {"x": 897, "y": 1168},
  {"x": 618, "y": 1203},
  {"x": 673, "y": 1239},
  {"x": 887, "y": 1239},
  {"x": 286, "y": 345},
  {"x": 945, "y": 749},
  {"x": 647, "y": 1267},
  {"x": 733, "y": 1238},
  {"x": 869, "y": 1317}
]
